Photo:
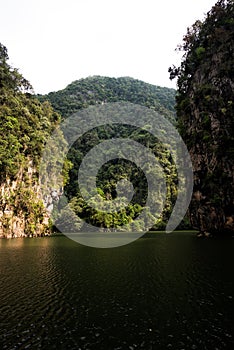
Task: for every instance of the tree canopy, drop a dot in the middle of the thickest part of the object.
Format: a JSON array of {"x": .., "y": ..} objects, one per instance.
[
  {"x": 25, "y": 125},
  {"x": 205, "y": 111},
  {"x": 100, "y": 90}
]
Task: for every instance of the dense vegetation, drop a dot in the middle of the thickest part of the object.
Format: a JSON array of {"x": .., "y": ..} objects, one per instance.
[
  {"x": 25, "y": 124},
  {"x": 97, "y": 90},
  {"x": 100, "y": 90},
  {"x": 205, "y": 109},
  {"x": 205, "y": 118}
]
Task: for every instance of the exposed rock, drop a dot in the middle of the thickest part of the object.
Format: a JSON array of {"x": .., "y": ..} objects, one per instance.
[
  {"x": 21, "y": 210},
  {"x": 25, "y": 126},
  {"x": 205, "y": 108}
]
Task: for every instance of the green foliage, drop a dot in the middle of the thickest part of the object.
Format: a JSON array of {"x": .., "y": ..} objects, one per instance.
[
  {"x": 206, "y": 72},
  {"x": 68, "y": 221},
  {"x": 200, "y": 52},
  {"x": 205, "y": 109},
  {"x": 98, "y": 90},
  {"x": 10, "y": 79},
  {"x": 25, "y": 125}
]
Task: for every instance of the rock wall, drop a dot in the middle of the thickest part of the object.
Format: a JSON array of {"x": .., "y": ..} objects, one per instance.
[
  {"x": 205, "y": 110},
  {"x": 210, "y": 140},
  {"x": 22, "y": 212}
]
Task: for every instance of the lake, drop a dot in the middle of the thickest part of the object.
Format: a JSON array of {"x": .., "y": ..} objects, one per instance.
[{"x": 163, "y": 291}]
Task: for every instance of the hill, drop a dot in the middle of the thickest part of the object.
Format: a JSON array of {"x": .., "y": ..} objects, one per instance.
[{"x": 94, "y": 91}]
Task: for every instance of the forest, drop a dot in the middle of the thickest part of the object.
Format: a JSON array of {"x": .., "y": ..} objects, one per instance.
[
  {"x": 99, "y": 91},
  {"x": 201, "y": 109}
]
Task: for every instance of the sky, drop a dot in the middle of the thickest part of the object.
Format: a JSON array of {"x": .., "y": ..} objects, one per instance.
[{"x": 54, "y": 42}]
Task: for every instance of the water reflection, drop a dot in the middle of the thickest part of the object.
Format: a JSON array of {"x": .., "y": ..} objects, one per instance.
[{"x": 159, "y": 292}]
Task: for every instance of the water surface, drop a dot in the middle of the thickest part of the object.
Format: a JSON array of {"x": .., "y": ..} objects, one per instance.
[{"x": 160, "y": 292}]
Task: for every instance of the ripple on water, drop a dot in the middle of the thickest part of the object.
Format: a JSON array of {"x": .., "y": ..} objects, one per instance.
[{"x": 156, "y": 293}]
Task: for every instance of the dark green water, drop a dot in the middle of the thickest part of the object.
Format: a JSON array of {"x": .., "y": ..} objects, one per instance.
[{"x": 160, "y": 292}]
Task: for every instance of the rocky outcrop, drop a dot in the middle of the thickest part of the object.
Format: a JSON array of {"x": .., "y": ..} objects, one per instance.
[
  {"x": 22, "y": 213},
  {"x": 205, "y": 106}
]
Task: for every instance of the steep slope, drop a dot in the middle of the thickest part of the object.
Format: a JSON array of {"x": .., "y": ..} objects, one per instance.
[
  {"x": 25, "y": 124},
  {"x": 205, "y": 109}
]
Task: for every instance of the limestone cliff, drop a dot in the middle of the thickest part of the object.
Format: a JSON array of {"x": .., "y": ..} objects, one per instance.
[
  {"x": 25, "y": 125},
  {"x": 22, "y": 212},
  {"x": 205, "y": 108}
]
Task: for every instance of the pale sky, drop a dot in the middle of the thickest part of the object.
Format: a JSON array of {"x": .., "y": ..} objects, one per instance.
[{"x": 54, "y": 42}]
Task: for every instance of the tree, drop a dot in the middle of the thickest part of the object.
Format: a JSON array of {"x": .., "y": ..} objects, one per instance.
[
  {"x": 205, "y": 112},
  {"x": 25, "y": 125}
]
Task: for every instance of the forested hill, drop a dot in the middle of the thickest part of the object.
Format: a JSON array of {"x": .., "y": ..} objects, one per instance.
[{"x": 96, "y": 90}]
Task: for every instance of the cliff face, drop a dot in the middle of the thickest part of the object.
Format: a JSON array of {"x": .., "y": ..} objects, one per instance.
[
  {"x": 22, "y": 212},
  {"x": 205, "y": 107},
  {"x": 25, "y": 125},
  {"x": 210, "y": 130}
]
